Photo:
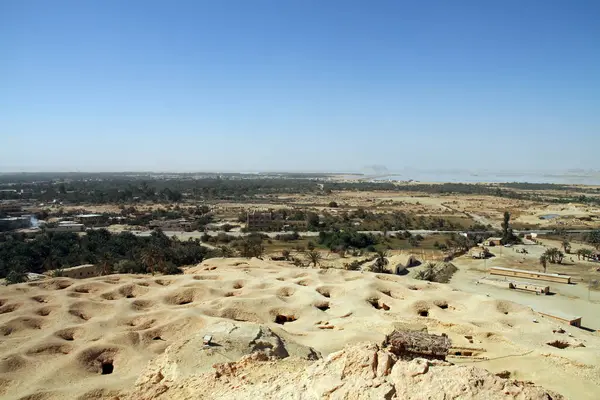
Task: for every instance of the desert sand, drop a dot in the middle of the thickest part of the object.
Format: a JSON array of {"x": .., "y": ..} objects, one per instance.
[{"x": 139, "y": 336}]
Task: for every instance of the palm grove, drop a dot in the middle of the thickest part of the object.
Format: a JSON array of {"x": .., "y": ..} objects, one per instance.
[{"x": 121, "y": 253}]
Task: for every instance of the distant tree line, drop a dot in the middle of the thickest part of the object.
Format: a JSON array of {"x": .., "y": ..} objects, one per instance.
[{"x": 168, "y": 188}]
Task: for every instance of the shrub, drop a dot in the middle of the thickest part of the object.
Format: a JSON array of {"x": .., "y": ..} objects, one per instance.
[
  {"x": 16, "y": 275},
  {"x": 129, "y": 267},
  {"x": 353, "y": 266},
  {"x": 57, "y": 273}
]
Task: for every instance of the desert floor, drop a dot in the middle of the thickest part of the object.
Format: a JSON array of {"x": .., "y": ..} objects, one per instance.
[{"x": 65, "y": 338}]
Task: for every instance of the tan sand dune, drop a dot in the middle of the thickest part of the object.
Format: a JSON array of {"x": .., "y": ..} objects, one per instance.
[{"x": 92, "y": 338}]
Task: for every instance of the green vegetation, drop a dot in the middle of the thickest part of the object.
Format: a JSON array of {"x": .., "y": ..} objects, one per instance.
[
  {"x": 250, "y": 246},
  {"x": 16, "y": 275},
  {"x": 553, "y": 256},
  {"x": 381, "y": 263},
  {"x": 346, "y": 240},
  {"x": 123, "y": 252},
  {"x": 313, "y": 257},
  {"x": 102, "y": 188},
  {"x": 544, "y": 261},
  {"x": 441, "y": 272},
  {"x": 508, "y": 237},
  {"x": 593, "y": 238},
  {"x": 584, "y": 253}
]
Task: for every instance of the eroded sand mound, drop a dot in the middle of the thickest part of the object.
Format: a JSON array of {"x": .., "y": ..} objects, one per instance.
[
  {"x": 91, "y": 338},
  {"x": 363, "y": 371}
]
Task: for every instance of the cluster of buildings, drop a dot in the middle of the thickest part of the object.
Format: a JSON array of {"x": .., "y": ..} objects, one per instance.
[
  {"x": 80, "y": 222},
  {"x": 12, "y": 216},
  {"x": 181, "y": 224}
]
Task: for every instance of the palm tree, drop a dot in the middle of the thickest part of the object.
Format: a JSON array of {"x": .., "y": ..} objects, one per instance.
[
  {"x": 313, "y": 257},
  {"x": 152, "y": 257},
  {"x": 381, "y": 262},
  {"x": 543, "y": 261},
  {"x": 226, "y": 251},
  {"x": 566, "y": 246},
  {"x": 554, "y": 255},
  {"x": 106, "y": 264},
  {"x": 584, "y": 253}
]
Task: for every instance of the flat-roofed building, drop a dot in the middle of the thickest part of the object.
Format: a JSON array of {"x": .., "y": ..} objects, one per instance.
[
  {"x": 67, "y": 226},
  {"x": 259, "y": 221},
  {"x": 12, "y": 223},
  {"x": 80, "y": 271}
]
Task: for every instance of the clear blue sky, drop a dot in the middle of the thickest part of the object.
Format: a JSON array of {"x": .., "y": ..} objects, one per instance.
[{"x": 299, "y": 85}]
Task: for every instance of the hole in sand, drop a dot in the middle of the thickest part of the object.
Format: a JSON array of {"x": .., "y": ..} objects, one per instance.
[
  {"x": 80, "y": 314},
  {"x": 423, "y": 313},
  {"x": 6, "y": 330},
  {"x": 157, "y": 338},
  {"x": 413, "y": 287},
  {"x": 109, "y": 296},
  {"x": 141, "y": 305},
  {"x": 325, "y": 292},
  {"x": 163, "y": 282},
  {"x": 107, "y": 368},
  {"x": 67, "y": 334},
  {"x": 238, "y": 285},
  {"x": 378, "y": 304},
  {"x": 44, "y": 311},
  {"x": 141, "y": 323},
  {"x": 40, "y": 299},
  {"x": 322, "y": 306},
  {"x": 559, "y": 344},
  {"x": 131, "y": 291},
  {"x": 49, "y": 348},
  {"x": 282, "y": 319},
  {"x": 55, "y": 284},
  {"x": 12, "y": 363},
  {"x": 184, "y": 296},
  {"x": 9, "y": 308},
  {"x": 98, "y": 360},
  {"x": 285, "y": 292},
  {"x": 441, "y": 304},
  {"x": 303, "y": 282}
]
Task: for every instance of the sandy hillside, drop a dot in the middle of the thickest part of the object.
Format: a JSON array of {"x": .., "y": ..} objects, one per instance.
[{"x": 59, "y": 336}]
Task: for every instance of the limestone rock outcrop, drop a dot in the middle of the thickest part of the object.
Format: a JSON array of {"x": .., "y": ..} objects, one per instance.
[{"x": 363, "y": 371}]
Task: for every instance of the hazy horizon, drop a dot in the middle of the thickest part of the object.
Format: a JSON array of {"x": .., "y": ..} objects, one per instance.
[{"x": 192, "y": 86}]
